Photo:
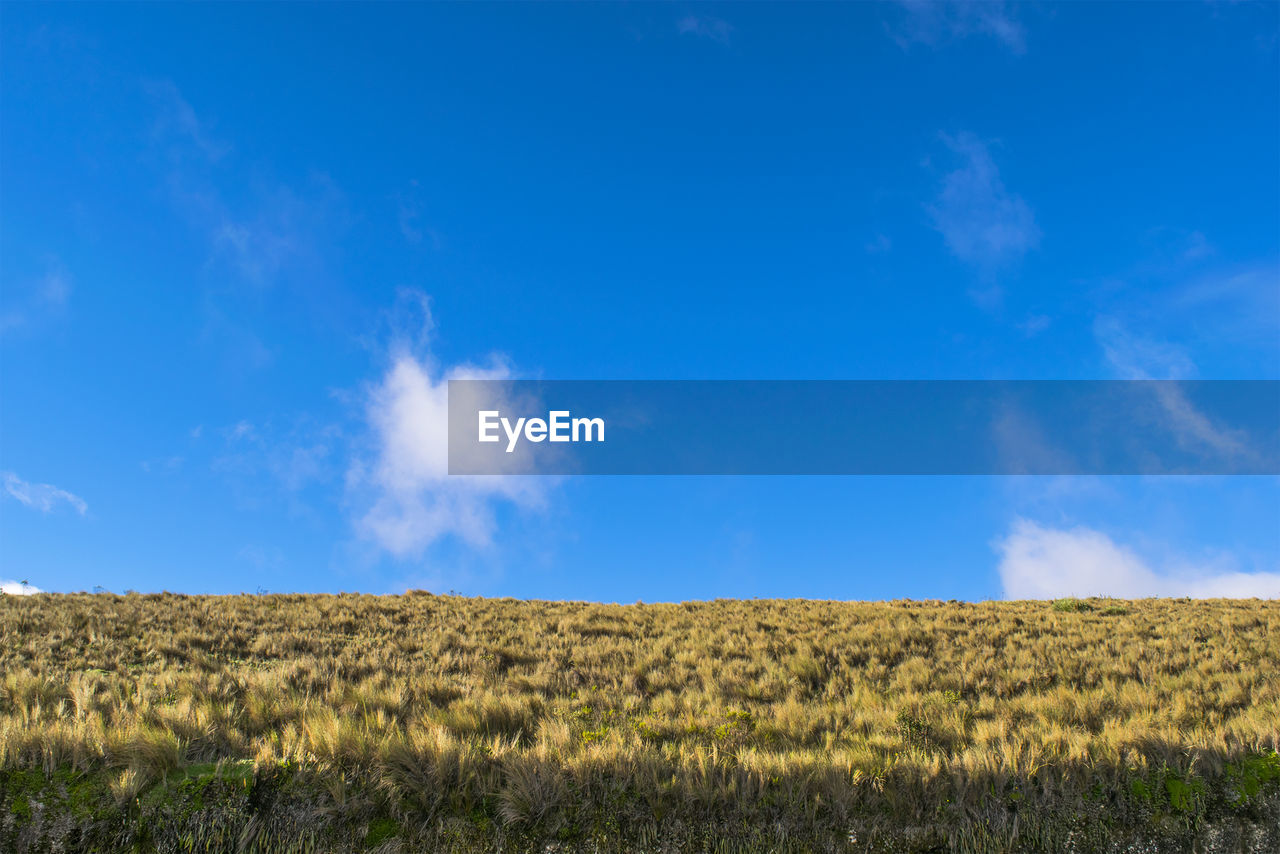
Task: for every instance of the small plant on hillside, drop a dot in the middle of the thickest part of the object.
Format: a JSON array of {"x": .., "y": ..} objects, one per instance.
[{"x": 914, "y": 731}]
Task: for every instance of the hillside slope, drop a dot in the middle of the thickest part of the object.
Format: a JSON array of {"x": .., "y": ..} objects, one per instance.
[{"x": 422, "y": 722}]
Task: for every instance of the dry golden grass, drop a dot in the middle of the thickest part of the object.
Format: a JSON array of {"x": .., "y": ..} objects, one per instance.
[{"x": 546, "y": 720}]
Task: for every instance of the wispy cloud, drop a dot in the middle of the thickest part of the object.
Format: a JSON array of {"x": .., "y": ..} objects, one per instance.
[
  {"x": 879, "y": 244},
  {"x": 705, "y": 27},
  {"x": 1135, "y": 357},
  {"x": 164, "y": 465},
  {"x": 270, "y": 460},
  {"x": 1138, "y": 357},
  {"x": 1255, "y": 289},
  {"x": 932, "y": 22},
  {"x": 1034, "y": 324},
  {"x": 41, "y": 496},
  {"x": 240, "y": 430},
  {"x": 256, "y": 249},
  {"x": 1240, "y": 304},
  {"x": 43, "y": 298},
  {"x": 271, "y": 243},
  {"x": 406, "y": 496},
  {"x": 1195, "y": 247},
  {"x": 1039, "y": 562},
  {"x": 256, "y": 227},
  {"x": 175, "y": 118},
  {"x": 262, "y": 557},
  {"x": 18, "y": 588},
  {"x": 410, "y": 217},
  {"x": 1181, "y": 288},
  {"x": 983, "y": 224},
  {"x": 279, "y": 227}
]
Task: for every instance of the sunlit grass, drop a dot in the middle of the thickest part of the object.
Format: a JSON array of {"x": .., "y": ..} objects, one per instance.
[{"x": 812, "y": 714}]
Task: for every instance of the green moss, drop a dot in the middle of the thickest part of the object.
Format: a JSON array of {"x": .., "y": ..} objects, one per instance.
[
  {"x": 21, "y": 809},
  {"x": 1185, "y": 795},
  {"x": 88, "y": 796},
  {"x": 1247, "y": 779},
  {"x": 29, "y": 781},
  {"x": 380, "y": 830}
]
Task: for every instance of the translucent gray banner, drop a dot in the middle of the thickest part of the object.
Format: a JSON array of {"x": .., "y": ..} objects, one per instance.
[{"x": 570, "y": 427}]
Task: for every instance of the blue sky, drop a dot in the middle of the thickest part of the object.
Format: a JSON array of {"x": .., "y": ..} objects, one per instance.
[{"x": 242, "y": 246}]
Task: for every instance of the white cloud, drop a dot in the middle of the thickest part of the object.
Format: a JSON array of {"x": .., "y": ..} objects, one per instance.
[
  {"x": 1197, "y": 246},
  {"x": 1240, "y": 305},
  {"x": 931, "y": 22},
  {"x": 705, "y": 27},
  {"x": 262, "y": 557},
  {"x": 409, "y": 213},
  {"x": 983, "y": 224},
  {"x": 41, "y": 496},
  {"x": 55, "y": 287},
  {"x": 408, "y": 498},
  {"x": 263, "y": 231},
  {"x": 879, "y": 244},
  {"x": 240, "y": 430},
  {"x": 176, "y": 119},
  {"x": 1034, "y": 324},
  {"x": 259, "y": 249},
  {"x": 45, "y": 298},
  {"x": 1037, "y": 562},
  {"x": 18, "y": 588},
  {"x": 1135, "y": 357},
  {"x": 287, "y": 454},
  {"x": 163, "y": 465}
]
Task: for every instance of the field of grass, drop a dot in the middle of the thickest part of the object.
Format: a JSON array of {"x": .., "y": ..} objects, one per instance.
[{"x": 442, "y": 723}]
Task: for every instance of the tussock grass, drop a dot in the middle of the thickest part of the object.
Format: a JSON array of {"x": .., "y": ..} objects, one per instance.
[{"x": 909, "y": 724}]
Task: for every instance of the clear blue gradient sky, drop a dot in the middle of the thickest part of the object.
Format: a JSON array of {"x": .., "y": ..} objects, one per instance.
[{"x": 241, "y": 247}]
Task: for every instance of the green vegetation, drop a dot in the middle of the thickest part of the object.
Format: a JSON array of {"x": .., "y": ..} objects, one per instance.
[{"x": 429, "y": 723}]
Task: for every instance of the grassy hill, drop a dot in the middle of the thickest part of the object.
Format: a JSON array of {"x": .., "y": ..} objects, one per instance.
[{"x": 441, "y": 723}]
